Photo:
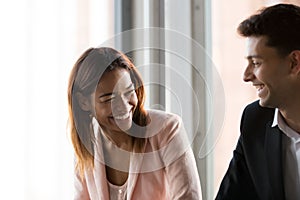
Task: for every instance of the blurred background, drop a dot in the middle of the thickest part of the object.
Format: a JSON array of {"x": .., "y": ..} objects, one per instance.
[{"x": 41, "y": 40}]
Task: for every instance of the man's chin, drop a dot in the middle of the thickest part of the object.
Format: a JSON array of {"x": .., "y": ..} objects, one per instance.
[
  {"x": 265, "y": 103},
  {"x": 262, "y": 102}
]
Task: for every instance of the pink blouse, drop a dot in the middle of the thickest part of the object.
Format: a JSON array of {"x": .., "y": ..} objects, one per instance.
[{"x": 165, "y": 171}]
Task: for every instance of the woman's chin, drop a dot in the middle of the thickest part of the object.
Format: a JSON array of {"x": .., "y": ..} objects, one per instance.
[{"x": 124, "y": 125}]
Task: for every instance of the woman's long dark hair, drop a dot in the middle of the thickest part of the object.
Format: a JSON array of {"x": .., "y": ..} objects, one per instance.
[{"x": 84, "y": 78}]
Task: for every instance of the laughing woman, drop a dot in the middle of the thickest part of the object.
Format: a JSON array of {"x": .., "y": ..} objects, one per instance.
[{"x": 122, "y": 150}]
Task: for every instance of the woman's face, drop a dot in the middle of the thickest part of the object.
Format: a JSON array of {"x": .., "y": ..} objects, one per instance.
[{"x": 115, "y": 100}]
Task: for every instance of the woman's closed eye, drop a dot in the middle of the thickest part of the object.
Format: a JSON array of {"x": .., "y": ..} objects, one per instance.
[
  {"x": 107, "y": 98},
  {"x": 110, "y": 97}
]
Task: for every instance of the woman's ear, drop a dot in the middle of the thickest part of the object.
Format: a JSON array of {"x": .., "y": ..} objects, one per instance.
[{"x": 84, "y": 102}]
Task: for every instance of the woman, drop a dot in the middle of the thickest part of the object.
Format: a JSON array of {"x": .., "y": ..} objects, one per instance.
[{"x": 123, "y": 151}]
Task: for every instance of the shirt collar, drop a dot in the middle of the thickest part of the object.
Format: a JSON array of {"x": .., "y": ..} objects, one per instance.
[
  {"x": 275, "y": 120},
  {"x": 278, "y": 120}
]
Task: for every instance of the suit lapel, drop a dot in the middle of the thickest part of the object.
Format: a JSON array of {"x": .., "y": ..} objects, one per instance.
[{"x": 273, "y": 148}]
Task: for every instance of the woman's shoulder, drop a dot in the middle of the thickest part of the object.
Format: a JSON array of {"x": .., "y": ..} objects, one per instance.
[
  {"x": 160, "y": 116},
  {"x": 163, "y": 125}
]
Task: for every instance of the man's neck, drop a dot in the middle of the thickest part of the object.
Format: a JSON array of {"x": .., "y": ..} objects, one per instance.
[{"x": 291, "y": 116}]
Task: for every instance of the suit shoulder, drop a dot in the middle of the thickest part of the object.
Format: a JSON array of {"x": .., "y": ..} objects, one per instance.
[
  {"x": 255, "y": 118},
  {"x": 255, "y": 110}
]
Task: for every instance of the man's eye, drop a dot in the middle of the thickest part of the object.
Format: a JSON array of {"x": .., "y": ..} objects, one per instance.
[{"x": 256, "y": 63}]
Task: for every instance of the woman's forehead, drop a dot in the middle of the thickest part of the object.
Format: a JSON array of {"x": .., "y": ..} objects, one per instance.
[{"x": 116, "y": 79}]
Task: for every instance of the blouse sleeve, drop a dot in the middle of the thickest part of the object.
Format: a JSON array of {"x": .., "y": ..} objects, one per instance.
[
  {"x": 81, "y": 191},
  {"x": 180, "y": 164},
  {"x": 183, "y": 178}
]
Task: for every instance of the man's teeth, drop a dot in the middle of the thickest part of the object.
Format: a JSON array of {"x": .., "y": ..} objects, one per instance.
[
  {"x": 259, "y": 88},
  {"x": 122, "y": 116}
]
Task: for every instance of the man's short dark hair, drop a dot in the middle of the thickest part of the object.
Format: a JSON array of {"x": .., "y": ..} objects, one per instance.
[{"x": 279, "y": 23}]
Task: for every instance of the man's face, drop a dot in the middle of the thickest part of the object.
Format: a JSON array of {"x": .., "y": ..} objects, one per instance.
[{"x": 269, "y": 73}]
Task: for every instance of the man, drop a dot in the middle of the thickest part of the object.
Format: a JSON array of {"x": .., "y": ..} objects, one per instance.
[{"x": 266, "y": 161}]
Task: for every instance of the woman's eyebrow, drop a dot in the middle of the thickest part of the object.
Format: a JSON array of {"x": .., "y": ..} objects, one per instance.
[
  {"x": 106, "y": 94},
  {"x": 131, "y": 84},
  {"x": 109, "y": 94}
]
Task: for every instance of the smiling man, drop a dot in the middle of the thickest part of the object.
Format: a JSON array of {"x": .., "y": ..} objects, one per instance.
[{"x": 266, "y": 161}]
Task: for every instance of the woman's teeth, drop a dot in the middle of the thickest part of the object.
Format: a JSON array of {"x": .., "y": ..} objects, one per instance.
[{"x": 120, "y": 117}]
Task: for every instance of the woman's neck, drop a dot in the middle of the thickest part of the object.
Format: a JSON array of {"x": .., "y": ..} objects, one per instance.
[{"x": 120, "y": 139}]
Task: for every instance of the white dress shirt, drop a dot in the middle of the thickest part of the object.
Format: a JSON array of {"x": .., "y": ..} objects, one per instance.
[{"x": 291, "y": 158}]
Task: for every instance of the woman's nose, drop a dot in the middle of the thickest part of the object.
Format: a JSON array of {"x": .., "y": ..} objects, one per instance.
[{"x": 121, "y": 104}]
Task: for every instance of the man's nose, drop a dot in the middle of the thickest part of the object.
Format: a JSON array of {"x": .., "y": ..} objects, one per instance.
[{"x": 248, "y": 74}]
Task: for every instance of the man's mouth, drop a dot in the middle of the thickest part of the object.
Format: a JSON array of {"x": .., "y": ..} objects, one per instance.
[{"x": 259, "y": 88}]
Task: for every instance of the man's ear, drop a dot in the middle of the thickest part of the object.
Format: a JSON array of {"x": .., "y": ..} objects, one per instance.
[
  {"x": 84, "y": 102},
  {"x": 295, "y": 58}
]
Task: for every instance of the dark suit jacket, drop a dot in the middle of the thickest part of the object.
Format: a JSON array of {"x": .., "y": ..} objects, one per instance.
[{"x": 255, "y": 171}]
